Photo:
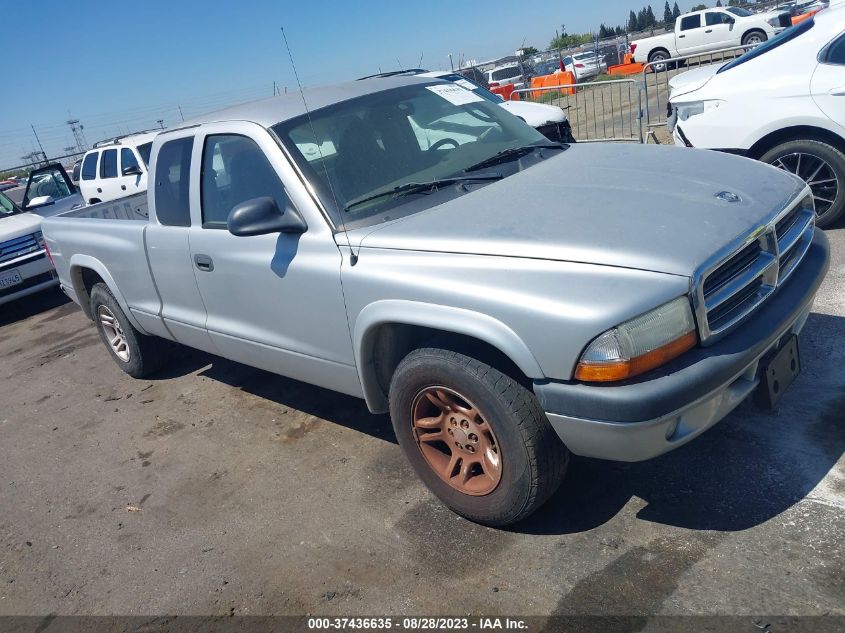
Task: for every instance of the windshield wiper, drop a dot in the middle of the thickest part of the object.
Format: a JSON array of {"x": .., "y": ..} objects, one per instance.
[
  {"x": 419, "y": 187},
  {"x": 513, "y": 152}
]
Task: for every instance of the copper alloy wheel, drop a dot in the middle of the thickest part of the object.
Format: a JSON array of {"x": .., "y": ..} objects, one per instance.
[{"x": 456, "y": 441}]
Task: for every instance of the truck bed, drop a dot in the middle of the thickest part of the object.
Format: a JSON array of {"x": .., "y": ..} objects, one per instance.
[{"x": 108, "y": 238}]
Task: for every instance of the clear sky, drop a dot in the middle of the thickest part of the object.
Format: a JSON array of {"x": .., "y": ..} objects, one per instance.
[{"x": 120, "y": 65}]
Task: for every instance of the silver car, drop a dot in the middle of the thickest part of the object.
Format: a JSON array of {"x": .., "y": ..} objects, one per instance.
[{"x": 508, "y": 300}]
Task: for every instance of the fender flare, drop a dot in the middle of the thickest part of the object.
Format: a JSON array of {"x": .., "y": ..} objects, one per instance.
[
  {"x": 437, "y": 317},
  {"x": 80, "y": 261}
]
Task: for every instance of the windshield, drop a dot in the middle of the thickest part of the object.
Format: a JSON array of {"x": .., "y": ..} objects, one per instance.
[
  {"x": 779, "y": 40},
  {"x": 413, "y": 134},
  {"x": 469, "y": 84},
  {"x": 7, "y": 207},
  {"x": 505, "y": 73},
  {"x": 742, "y": 13}
]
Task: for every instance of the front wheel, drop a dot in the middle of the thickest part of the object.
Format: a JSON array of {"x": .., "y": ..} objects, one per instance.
[
  {"x": 137, "y": 354},
  {"x": 477, "y": 438},
  {"x": 754, "y": 38},
  {"x": 821, "y": 166}
]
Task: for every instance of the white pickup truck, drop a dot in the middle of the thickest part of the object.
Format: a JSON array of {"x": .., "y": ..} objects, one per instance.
[{"x": 701, "y": 32}]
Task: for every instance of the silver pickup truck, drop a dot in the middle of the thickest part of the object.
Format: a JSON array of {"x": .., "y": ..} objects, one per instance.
[{"x": 508, "y": 300}]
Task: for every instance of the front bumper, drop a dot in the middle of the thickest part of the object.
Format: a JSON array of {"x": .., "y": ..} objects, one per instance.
[
  {"x": 37, "y": 273},
  {"x": 645, "y": 417}
]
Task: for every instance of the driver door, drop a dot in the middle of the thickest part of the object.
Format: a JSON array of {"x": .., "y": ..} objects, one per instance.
[
  {"x": 49, "y": 191},
  {"x": 273, "y": 301}
]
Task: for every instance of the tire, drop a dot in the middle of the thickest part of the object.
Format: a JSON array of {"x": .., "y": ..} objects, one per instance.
[
  {"x": 520, "y": 461},
  {"x": 659, "y": 56},
  {"x": 754, "y": 37},
  {"x": 828, "y": 184},
  {"x": 137, "y": 354}
]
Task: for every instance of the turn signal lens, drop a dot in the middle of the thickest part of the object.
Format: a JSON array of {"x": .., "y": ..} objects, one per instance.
[{"x": 639, "y": 345}]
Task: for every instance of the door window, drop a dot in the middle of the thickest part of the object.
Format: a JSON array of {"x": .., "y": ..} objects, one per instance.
[
  {"x": 715, "y": 18},
  {"x": 234, "y": 170},
  {"x": 836, "y": 52},
  {"x": 47, "y": 181},
  {"x": 108, "y": 166},
  {"x": 89, "y": 166},
  {"x": 127, "y": 159},
  {"x": 691, "y": 22},
  {"x": 172, "y": 174}
]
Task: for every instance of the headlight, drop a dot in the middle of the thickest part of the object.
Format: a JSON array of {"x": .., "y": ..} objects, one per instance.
[
  {"x": 641, "y": 344},
  {"x": 694, "y": 108},
  {"x": 774, "y": 22},
  {"x": 39, "y": 238}
]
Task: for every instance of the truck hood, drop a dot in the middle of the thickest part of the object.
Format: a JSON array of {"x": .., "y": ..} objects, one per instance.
[
  {"x": 17, "y": 225},
  {"x": 535, "y": 114},
  {"x": 692, "y": 80},
  {"x": 633, "y": 206}
]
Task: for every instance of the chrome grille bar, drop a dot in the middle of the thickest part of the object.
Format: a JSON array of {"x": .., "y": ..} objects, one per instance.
[{"x": 19, "y": 246}]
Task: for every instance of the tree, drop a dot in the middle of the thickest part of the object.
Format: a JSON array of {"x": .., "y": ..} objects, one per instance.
[
  {"x": 667, "y": 14},
  {"x": 718, "y": 3},
  {"x": 650, "y": 18},
  {"x": 676, "y": 12},
  {"x": 699, "y": 7},
  {"x": 633, "y": 25},
  {"x": 529, "y": 50}
]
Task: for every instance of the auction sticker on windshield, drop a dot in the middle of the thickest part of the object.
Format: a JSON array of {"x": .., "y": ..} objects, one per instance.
[
  {"x": 10, "y": 278},
  {"x": 455, "y": 95}
]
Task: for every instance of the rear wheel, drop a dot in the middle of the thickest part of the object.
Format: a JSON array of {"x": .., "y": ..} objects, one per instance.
[
  {"x": 754, "y": 38},
  {"x": 821, "y": 166},
  {"x": 477, "y": 438},
  {"x": 658, "y": 59},
  {"x": 137, "y": 354}
]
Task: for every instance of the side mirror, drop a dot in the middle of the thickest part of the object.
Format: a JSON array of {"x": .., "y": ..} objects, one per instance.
[
  {"x": 132, "y": 170},
  {"x": 261, "y": 216},
  {"x": 40, "y": 201}
]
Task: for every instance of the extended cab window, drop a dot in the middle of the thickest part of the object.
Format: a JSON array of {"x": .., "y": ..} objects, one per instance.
[
  {"x": 127, "y": 159},
  {"x": 144, "y": 151},
  {"x": 234, "y": 170},
  {"x": 89, "y": 166},
  {"x": 691, "y": 22},
  {"x": 108, "y": 166},
  {"x": 172, "y": 178}
]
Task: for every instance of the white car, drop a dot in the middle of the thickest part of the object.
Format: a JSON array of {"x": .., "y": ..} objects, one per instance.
[
  {"x": 506, "y": 75},
  {"x": 116, "y": 168},
  {"x": 782, "y": 103},
  {"x": 585, "y": 66},
  {"x": 549, "y": 120},
  {"x": 701, "y": 32}
]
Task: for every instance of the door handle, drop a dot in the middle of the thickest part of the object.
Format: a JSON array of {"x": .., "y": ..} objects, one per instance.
[
  {"x": 680, "y": 36},
  {"x": 204, "y": 263},
  {"x": 709, "y": 31},
  {"x": 837, "y": 92}
]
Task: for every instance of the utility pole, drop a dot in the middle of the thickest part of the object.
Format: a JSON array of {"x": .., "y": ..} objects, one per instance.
[
  {"x": 180, "y": 112},
  {"x": 43, "y": 153},
  {"x": 76, "y": 127}
]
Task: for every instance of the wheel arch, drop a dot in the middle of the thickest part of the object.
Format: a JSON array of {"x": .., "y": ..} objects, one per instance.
[
  {"x": 658, "y": 49},
  {"x": 386, "y": 331},
  {"x": 755, "y": 29},
  {"x": 85, "y": 272},
  {"x": 795, "y": 133}
]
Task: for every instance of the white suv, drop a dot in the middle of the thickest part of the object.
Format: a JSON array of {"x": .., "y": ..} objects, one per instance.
[
  {"x": 116, "y": 168},
  {"x": 782, "y": 103}
]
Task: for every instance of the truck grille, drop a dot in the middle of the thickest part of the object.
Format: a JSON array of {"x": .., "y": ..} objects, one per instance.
[
  {"x": 736, "y": 285},
  {"x": 20, "y": 246}
]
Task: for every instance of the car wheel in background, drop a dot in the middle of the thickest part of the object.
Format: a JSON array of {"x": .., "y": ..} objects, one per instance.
[
  {"x": 477, "y": 438},
  {"x": 655, "y": 58},
  {"x": 135, "y": 353},
  {"x": 754, "y": 38},
  {"x": 821, "y": 166}
]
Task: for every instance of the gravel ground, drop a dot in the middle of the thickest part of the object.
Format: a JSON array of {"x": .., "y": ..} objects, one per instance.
[{"x": 214, "y": 488}]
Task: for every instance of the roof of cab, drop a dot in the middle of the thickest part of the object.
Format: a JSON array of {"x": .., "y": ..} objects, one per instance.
[{"x": 273, "y": 110}]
